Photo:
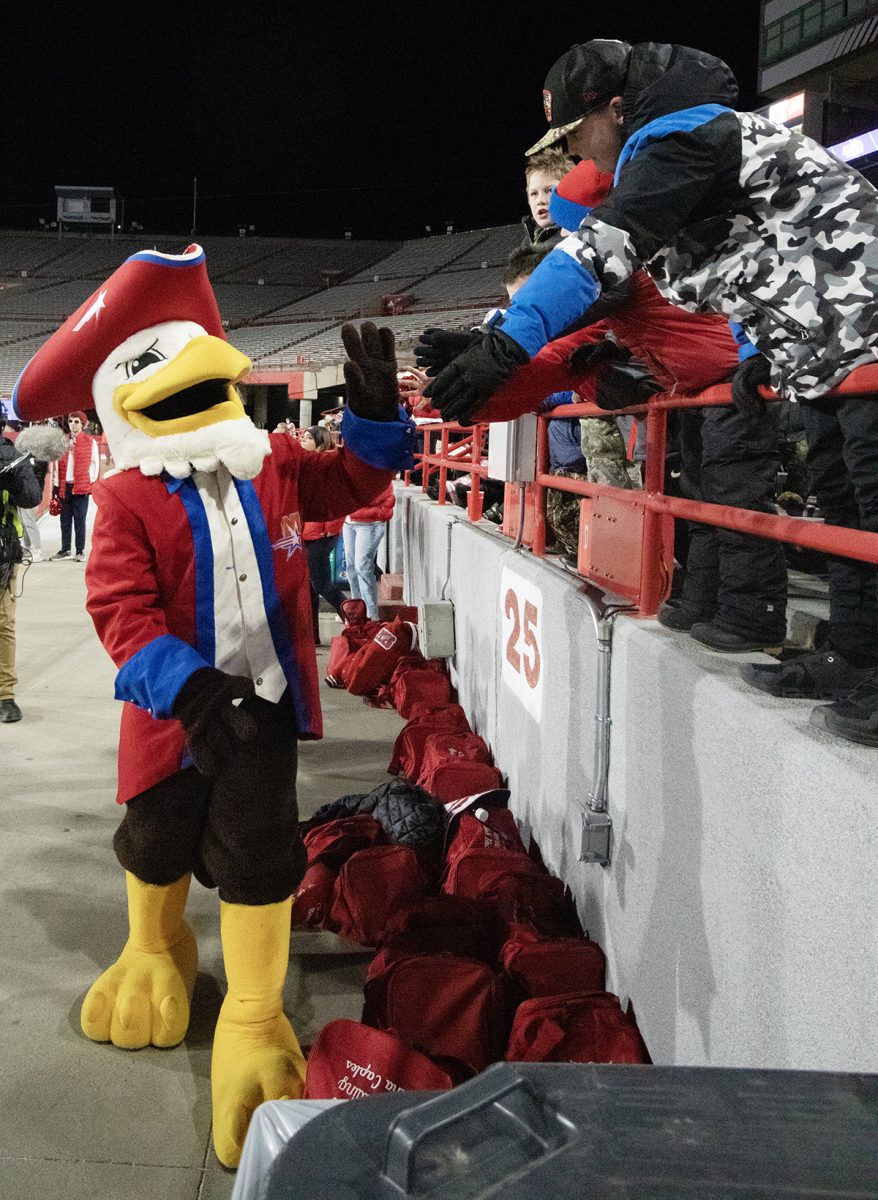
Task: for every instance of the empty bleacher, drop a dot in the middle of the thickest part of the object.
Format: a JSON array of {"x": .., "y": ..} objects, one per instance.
[
  {"x": 308, "y": 262},
  {"x": 282, "y": 299}
]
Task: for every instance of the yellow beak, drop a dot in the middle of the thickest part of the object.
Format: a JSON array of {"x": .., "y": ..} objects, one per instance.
[{"x": 201, "y": 359}]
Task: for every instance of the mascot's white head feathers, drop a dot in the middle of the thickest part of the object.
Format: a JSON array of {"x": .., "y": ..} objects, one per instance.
[{"x": 175, "y": 376}]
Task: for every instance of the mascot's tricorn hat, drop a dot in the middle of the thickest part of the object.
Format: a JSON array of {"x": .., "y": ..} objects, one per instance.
[{"x": 147, "y": 289}]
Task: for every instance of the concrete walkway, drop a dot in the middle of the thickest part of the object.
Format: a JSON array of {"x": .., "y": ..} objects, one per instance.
[{"x": 81, "y": 1120}]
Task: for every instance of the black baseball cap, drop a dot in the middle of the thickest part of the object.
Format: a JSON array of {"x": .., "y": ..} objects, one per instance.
[{"x": 583, "y": 80}]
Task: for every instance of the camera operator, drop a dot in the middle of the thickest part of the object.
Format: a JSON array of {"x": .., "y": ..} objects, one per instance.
[{"x": 19, "y": 488}]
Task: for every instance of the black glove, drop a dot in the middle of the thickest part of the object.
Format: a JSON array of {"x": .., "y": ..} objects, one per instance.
[
  {"x": 467, "y": 383},
  {"x": 587, "y": 356},
  {"x": 215, "y": 728},
  {"x": 623, "y": 385},
  {"x": 436, "y": 348},
  {"x": 370, "y": 372},
  {"x": 752, "y": 372},
  {"x": 56, "y": 493}
]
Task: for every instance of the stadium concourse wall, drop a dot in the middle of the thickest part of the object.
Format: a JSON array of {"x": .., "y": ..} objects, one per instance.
[{"x": 738, "y": 912}]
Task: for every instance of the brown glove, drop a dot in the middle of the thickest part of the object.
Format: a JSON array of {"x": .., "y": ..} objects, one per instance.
[{"x": 215, "y": 728}]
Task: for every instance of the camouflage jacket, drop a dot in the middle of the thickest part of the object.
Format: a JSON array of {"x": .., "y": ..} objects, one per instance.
[{"x": 729, "y": 213}]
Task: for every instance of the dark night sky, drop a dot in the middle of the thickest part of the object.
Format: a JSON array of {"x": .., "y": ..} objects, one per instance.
[{"x": 305, "y": 118}]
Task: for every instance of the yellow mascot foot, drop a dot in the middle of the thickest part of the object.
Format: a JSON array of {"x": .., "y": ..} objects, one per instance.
[
  {"x": 143, "y": 998},
  {"x": 256, "y": 1056},
  {"x": 251, "y": 1064}
]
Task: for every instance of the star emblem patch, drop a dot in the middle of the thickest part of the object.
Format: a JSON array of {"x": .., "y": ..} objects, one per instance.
[{"x": 291, "y": 535}]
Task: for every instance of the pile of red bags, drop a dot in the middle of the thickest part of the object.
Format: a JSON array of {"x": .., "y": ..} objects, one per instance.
[{"x": 484, "y": 962}]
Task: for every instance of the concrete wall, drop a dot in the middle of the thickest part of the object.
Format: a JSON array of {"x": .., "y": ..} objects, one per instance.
[{"x": 738, "y": 911}]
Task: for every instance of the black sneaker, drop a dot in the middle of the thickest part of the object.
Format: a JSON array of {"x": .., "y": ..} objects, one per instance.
[
  {"x": 9, "y": 712},
  {"x": 60, "y": 554},
  {"x": 681, "y": 616},
  {"x": 728, "y": 641},
  {"x": 855, "y": 717},
  {"x": 812, "y": 675}
]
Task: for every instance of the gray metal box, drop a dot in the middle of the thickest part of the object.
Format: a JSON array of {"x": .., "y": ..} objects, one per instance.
[{"x": 436, "y": 628}]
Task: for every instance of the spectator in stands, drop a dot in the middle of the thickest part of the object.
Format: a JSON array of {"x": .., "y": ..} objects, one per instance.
[
  {"x": 76, "y": 474},
  {"x": 565, "y": 436},
  {"x": 601, "y": 441},
  {"x": 734, "y": 589},
  {"x": 321, "y": 538},
  {"x": 692, "y": 170},
  {"x": 19, "y": 488},
  {"x": 541, "y": 174},
  {"x": 363, "y": 531}
]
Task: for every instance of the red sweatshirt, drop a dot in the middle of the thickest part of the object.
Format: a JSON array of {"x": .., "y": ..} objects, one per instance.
[{"x": 686, "y": 352}]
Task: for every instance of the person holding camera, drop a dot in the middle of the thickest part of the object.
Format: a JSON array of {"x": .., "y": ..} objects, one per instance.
[{"x": 19, "y": 488}]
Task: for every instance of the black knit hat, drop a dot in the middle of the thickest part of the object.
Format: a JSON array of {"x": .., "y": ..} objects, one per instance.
[{"x": 583, "y": 80}]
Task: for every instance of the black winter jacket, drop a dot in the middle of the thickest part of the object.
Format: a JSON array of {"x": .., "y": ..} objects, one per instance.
[
  {"x": 729, "y": 213},
  {"x": 19, "y": 481}
]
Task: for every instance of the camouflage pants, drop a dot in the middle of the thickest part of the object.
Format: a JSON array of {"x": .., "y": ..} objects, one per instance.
[
  {"x": 604, "y": 451},
  {"x": 562, "y": 514}
]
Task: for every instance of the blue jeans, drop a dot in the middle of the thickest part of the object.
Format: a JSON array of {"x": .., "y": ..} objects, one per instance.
[
  {"x": 361, "y": 542},
  {"x": 73, "y": 510}
]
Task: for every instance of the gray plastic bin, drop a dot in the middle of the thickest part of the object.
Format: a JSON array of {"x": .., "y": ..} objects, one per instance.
[{"x": 559, "y": 1132}]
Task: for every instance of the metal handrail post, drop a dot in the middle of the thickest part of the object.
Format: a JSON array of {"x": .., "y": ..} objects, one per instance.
[
  {"x": 443, "y": 470},
  {"x": 651, "y": 588},
  {"x": 540, "y": 493},
  {"x": 425, "y": 466},
  {"x": 475, "y": 500}
]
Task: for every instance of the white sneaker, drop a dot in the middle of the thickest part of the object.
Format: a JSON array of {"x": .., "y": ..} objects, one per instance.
[{"x": 36, "y": 556}]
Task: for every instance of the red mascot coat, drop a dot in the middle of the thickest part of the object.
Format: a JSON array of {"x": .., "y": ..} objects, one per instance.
[{"x": 149, "y": 582}]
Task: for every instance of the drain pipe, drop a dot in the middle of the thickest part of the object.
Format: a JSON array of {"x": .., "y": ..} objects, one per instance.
[
  {"x": 519, "y": 537},
  {"x": 596, "y": 821}
]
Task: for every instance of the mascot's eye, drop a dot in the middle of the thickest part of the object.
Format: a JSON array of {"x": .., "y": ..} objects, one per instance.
[{"x": 150, "y": 356}]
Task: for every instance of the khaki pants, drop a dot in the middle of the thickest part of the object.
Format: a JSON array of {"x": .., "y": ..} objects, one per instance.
[{"x": 8, "y": 678}]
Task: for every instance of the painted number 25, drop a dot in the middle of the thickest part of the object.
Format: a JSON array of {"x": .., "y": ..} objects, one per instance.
[{"x": 529, "y": 662}]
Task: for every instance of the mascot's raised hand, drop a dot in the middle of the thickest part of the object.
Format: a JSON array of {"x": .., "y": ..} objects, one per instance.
[{"x": 370, "y": 372}]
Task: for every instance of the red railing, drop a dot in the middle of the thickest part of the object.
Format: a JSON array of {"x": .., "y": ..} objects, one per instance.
[
  {"x": 467, "y": 453},
  {"x": 651, "y": 504}
]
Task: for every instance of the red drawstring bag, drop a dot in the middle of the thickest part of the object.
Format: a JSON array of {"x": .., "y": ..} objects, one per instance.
[
  {"x": 466, "y": 868},
  {"x": 312, "y": 899},
  {"x": 538, "y": 966},
  {"x": 416, "y": 662},
  {"x": 343, "y": 647},
  {"x": 420, "y": 687},
  {"x": 498, "y": 831},
  {"x": 408, "y": 751},
  {"x": 453, "y": 746},
  {"x": 454, "y": 778},
  {"x": 577, "y": 1027},
  {"x": 447, "y": 1007},
  {"x": 349, "y": 1060},
  {"x": 370, "y": 887},
  {"x": 353, "y": 611},
  {"x": 373, "y": 663},
  {"x": 443, "y": 925},
  {"x": 526, "y": 897},
  {"x": 335, "y": 841}
]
